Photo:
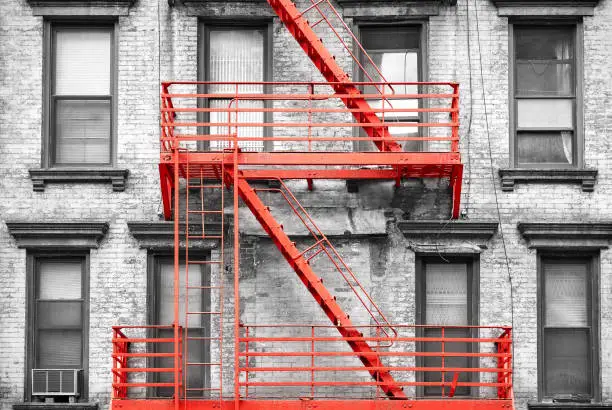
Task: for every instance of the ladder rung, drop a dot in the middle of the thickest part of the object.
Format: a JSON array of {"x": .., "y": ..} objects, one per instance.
[
  {"x": 203, "y": 313},
  {"x": 203, "y": 338},
  {"x": 204, "y": 262},
  {"x": 206, "y": 212},
  {"x": 205, "y": 237},
  {"x": 204, "y": 287},
  {"x": 205, "y": 186}
]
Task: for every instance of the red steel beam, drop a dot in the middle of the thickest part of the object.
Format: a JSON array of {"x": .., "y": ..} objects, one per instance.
[
  {"x": 425, "y": 404},
  {"x": 319, "y": 158}
]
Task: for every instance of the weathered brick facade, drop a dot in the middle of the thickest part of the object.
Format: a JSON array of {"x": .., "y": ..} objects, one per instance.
[{"x": 158, "y": 41}]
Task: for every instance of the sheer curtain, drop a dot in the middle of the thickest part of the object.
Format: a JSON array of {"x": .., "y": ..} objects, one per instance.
[{"x": 237, "y": 56}]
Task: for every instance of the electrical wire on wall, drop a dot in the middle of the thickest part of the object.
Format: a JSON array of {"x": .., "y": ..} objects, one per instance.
[{"x": 491, "y": 167}]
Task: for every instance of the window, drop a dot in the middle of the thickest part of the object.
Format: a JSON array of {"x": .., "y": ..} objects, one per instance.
[
  {"x": 447, "y": 295},
  {"x": 81, "y": 100},
  {"x": 237, "y": 54},
  {"x": 197, "y": 327},
  {"x": 568, "y": 326},
  {"x": 547, "y": 120},
  {"x": 398, "y": 52},
  {"x": 58, "y": 319}
]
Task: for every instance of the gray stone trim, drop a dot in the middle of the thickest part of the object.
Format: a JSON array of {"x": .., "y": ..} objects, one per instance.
[
  {"x": 234, "y": 9},
  {"x": 57, "y": 235},
  {"x": 78, "y": 8},
  {"x": 117, "y": 177},
  {"x": 583, "y": 235},
  {"x": 481, "y": 231},
  {"x": 585, "y": 177},
  {"x": 55, "y": 406},
  {"x": 569, "y": 405},
  {"x": 159, "y": 236},
  {"x": 545, "y": 8},
  {"x": 386, "y": 9}
]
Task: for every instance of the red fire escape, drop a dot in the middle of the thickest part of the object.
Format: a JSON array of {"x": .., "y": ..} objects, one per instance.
[{"x": 211, "y": 150}]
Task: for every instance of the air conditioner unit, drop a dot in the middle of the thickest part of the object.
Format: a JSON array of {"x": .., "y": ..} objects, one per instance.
[{"x": 55, "y": 382}]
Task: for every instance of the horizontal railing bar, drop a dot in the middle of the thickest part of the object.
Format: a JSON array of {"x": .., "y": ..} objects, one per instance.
[
  {"x": 143, "y": 327},
  {"x": 213, "y": 137},
  {"x": 143, "y": 370},
  {"x": 144, "y": 340},
  {"x": 310, "y": 110},
  {"x": 372, "y": 383},
  {"x": 387, "y": 123},
  {"x": 128, "y": 385},
  {"x": 392, "y": 354},
  {"x": 292, "y": 325},
  {"x": 383, "y": 368},
  {"x": 314, "y": 97},
  {"x": 373, "y": 338},
  {"x": 308, "y": 83},
  {"x": 117, "y": 355}
]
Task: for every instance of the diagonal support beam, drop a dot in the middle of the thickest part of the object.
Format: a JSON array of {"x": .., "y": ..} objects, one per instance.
[{"x": 315, "y": 286}]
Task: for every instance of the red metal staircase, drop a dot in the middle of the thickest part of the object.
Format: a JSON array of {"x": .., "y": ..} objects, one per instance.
[{"x": 379, "y": 344}]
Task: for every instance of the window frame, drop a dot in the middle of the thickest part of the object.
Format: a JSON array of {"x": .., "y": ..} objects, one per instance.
[
  {"x": 49, "y": 121},
  {"x": 154, "y": 262},
  {"x": 473, "y": 272},
  {"x": 204, "y": 28},
  {"x": 33, "y": 260},
  {"x": 578, "y": 100},
  {"x": 592, "y": 260},
  {"x": 423, "y": 29}
]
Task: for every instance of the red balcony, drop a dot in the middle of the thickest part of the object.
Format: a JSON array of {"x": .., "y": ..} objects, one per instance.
[
  {"x": 309, "y": 366},
  {"x": 311, "y": 131}
]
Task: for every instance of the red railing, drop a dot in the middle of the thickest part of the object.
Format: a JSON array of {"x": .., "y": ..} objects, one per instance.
[
  {"x": 308, "y": 116},
  {"x": 134, "y": 350},
  {"x": 430, "y": 361}
]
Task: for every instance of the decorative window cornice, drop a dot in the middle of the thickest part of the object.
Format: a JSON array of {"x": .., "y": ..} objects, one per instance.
[
  {"x": 585, "y": 177},
  {"x": 41, "y": 177},
  {"x": 566, "y": 235},
  {"x": 235, "y": 9},
  {"x": 477, "y": 232},
  {"x": 395, "y": 8},
  {"x": 77, "y": 8},
  {"x": 58, "y": 235},
  {"x": 545, "y": 8},
  {"x": 159, "y": 236}
]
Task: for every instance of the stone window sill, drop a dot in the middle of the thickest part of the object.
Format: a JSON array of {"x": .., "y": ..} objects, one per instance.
[
  {"x": 568, "y": 405},
  {"x": 55, "y": 406},
  {"x": 41, "y": 177},
  {"x": 586, "y": 177}
]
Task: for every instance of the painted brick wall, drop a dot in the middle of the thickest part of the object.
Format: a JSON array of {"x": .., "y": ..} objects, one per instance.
[{"x": 270, "y": 291}]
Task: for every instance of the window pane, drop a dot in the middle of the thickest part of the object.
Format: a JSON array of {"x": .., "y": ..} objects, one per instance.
[
  {"x": 545, "y": 147},
  {"x": 236, "y": 56},
  {"x": 544, "y": 43},
  {"x": 544, "y": 113},
  {"x": 166, "y": 299},
  {"x": 58, "y": 349},
  {"x": 59, "y": 314},
  {"x": 243, "y": 117},
  {"x": 82, "y": 61},
  {"x": 566, "y": 361},
  {"x": 446, "y": 297},
  {"x": 566, "y": 294},
  {"x": 83, "y": 130},
  {"x": 59, "y": 279},
  {"x": 544, "y": 78},
  {"x": 390, "y": 38}
]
